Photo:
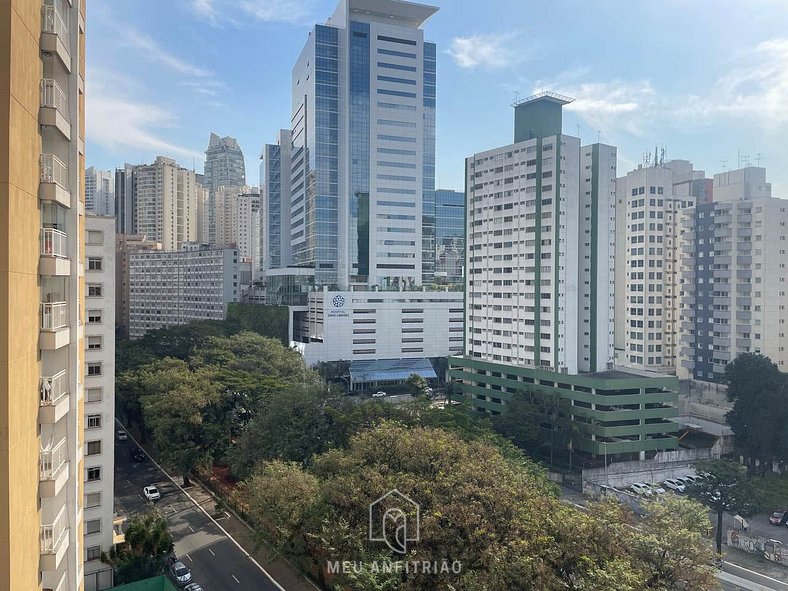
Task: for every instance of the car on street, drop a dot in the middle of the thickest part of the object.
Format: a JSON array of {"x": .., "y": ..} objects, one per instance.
[
  {"x": 137, "y": 455},
  {"x": 641, "y": 488},
  {"x": 379, "y": 394},
  {"x": 151, "y": 493},
  {"x": 779, "y": 517},
  {"x": 656, "y": 488},
  {"x": 122, "y": 435},
  {"x": 192, "y": 587},
  {"x": 675, "y": 485},
  {"x": 180, "y": 573}
]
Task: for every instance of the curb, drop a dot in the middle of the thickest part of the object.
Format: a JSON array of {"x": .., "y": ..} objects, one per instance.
[{"x": 196, "y": 504}]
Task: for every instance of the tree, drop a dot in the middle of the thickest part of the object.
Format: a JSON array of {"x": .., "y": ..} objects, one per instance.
[
  {"x": 724, "y": 487},
  {"x": 417, "y": 385},
  {"x": 519, "y": 422},
  {"x": 759, "y": 392},
  {"x": 147, "y": 541}
]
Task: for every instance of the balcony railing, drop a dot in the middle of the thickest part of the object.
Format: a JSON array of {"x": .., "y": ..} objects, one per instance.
[
  {"x": 54, "y": 315},
  {"x": 53, "y": 96},
  {"x": 52, "y": 461},
  {"x": 52, "y": 22},
  {"x": 53, "y": 170},
  {"x": 53, "y": 388},
  {"x": 53, "y": 243},
  {"x": 52, "y": 534}
]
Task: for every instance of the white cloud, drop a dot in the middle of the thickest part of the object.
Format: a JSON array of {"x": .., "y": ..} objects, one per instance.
[
  {"x": 615, "y": 105},
  {"x": 119, "y": 123},
  {"x": 487, "y": 51},
  {"x": 152, "y": 51},
  {"x": 238, "y": 12}
]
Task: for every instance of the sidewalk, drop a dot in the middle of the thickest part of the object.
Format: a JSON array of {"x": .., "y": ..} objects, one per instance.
[
  {"x": 282, "y": 571},
  {"x": 755, "y": 563}
]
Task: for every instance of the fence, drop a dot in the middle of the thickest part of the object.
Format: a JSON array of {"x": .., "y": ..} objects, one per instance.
[{"x": 771, "y": 550}]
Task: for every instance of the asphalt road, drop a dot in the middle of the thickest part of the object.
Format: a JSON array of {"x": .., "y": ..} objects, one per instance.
[{"x": 215, "y": 561}]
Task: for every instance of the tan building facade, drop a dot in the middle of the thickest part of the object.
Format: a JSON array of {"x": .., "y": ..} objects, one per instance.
[
  {"x": 125, "y": 244},
  {"x": 42, "y": 139}
]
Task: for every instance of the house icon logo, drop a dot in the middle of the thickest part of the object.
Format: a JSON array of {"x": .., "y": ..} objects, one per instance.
[{"x": 394, "y": 520}]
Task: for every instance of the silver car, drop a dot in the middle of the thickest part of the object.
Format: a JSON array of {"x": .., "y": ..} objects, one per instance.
[{"x": 180, "y": 574}]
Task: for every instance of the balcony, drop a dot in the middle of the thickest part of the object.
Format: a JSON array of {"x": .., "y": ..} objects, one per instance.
[
  {"x": 54, "y": 35},
  {"x": 53, "y": 470},
  {"x": 54, "y": 325},
  {"x": 743, "y": 343},
  {"x": 54, "y": 401},
  {"x": 744, "y": 260},
  {"x": 54, "y": 253},
  {"x": 54, "y": 107},
  {"x": 744, "y": 315},
  {"x": 744, "y": 274},
  {"x": 54, "y": 181},
  {"x": 744, "y": 232},
  {"x": 722, "y": 232},
  {"x": 54, "y": 542}
]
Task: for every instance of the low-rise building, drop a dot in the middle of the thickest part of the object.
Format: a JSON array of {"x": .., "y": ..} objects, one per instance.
[
  {"x": 363, "y": 325},
  {"x": 167, "y": 288},
  {"x": 125, "y": 244}
]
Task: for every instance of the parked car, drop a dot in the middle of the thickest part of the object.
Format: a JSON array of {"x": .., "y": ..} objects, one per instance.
[
  {"x": 779, "y": 517},
  {"x": 170, "y": 559},
  {"x": 122, "y": 435},
  {"x": 180, "y": 573},
  {"x": 151, "y": 493},
  {"x": 379, "y": 394},
  {"x": 641, "y": 488},
  {"x": 192, "y": 587},
  {"x": 693, "y": 479},
  {"x": 137, "y": 455},
  {"x": 675, "y": 485},
  {"x": 656, "y": 488},
  {"x": 685, "y": 480}
]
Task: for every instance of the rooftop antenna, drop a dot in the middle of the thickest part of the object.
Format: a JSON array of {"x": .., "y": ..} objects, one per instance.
[
  {"x": 758, "y": 159},
  {"x": 745, "y": 158},
  {"x": 724, "y": 165},
  {"x": 516, "y": 96}
]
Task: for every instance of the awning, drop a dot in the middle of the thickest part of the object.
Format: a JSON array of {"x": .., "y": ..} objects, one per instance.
[{"x": 389, "y": 370}]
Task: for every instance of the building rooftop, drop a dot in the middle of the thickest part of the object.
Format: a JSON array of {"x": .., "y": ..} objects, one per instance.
[
  {"x": 545, "y": 95},
  {"x": 397, "y": 12}
]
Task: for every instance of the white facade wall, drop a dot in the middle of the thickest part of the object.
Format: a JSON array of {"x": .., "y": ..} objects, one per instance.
[
  {"x": 99, "y": 396},
  {"x": 170, "y": 288},
  {"x": 353, "y": 325},
  {"x": 100, "y": 191},
  {"x": 529, "y": 255}
]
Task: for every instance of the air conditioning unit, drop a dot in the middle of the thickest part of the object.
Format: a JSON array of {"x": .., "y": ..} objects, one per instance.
[{"x": 610, "y": 365}]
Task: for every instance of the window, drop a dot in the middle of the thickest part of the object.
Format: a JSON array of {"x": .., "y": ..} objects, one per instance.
[
  {"x": 92, "y": 553},
  {"x": 94, "y": 474},
  {"x": 94, "y": 368},
  {"x": 92, "y": 500},
  {"x": 95, "y": 342},
  {"x": 94, "y": 316},
  {"x": 93, "y": 394},
  {"x": 93, "y": 448},
  {"x": 95, "y": 263},
  {"x": 92, "y": 527},
  {"x": 94, "y": 422},
  {"x": 95, "y": 290},
  {"x": 95, "y": 237}
]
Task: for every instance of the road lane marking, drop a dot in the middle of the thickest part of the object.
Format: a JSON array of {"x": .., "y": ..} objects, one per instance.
[
  {"x": 236, "y": 580},
  {"x": 216, "y": 523},
  {"x": 191, "y": 529},
  {"x": 128, "y": 482},
  {"x": 211, "y": 551},
  {"x": 190, "y": 558}
]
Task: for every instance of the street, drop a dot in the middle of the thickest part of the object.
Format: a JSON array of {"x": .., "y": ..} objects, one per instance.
[{"x": 214, "y": 559}]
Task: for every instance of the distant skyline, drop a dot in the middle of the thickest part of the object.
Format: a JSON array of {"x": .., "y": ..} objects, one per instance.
[{"x": 708, "y": 81}]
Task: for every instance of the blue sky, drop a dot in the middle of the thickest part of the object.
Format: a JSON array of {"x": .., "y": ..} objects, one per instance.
[{"x": 706, "y": 79}]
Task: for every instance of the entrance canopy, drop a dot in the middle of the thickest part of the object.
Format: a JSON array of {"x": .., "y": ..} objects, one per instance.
[{"x": 389, "y": 371}]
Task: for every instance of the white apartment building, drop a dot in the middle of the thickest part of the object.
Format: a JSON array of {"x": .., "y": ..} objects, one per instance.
[
  {"x": 735, "y": 276},
  {"x": 237, "y": 218},
  {"x": 99, "y": 395},
  {"x": 649, "y": 200},
  {"x": 371, "y": 325},
  {"x": 540, "y": 244},
  {"x": 167, "y": 288},
  {"x": 166, "y": 203},
  {"x": 100, "y": 191}
]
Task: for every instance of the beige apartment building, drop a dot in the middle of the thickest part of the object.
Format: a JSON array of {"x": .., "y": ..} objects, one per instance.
[{"x": 42, "y": 266}]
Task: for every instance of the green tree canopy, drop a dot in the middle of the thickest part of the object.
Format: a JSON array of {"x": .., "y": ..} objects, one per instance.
[{"x": 759, "y": 392}]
